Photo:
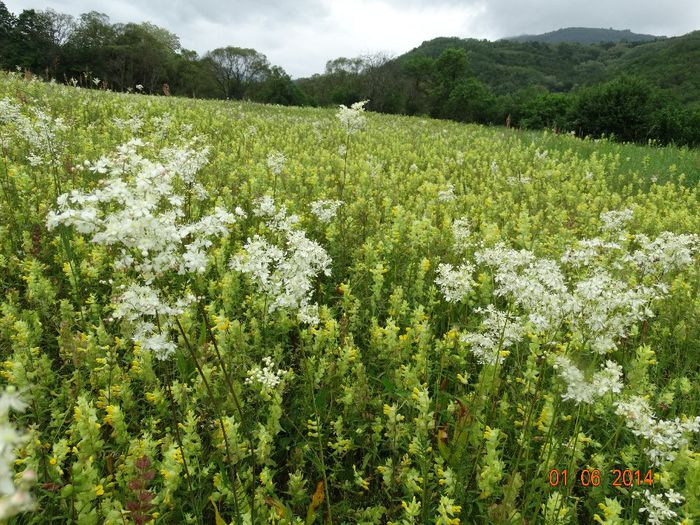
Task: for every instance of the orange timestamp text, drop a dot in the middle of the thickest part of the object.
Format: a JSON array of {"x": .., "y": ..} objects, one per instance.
[{"x": 594, "y": 478}]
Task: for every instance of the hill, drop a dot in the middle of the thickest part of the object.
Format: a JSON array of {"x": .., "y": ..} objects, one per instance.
[
  {"x": 585, "y": 35},
  {"x": 506, "y": 66}
]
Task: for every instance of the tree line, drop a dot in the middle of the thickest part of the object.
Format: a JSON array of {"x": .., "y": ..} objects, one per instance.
[
  {"x": 445, "y": 82},
  {"x": 90, "y": 50}
]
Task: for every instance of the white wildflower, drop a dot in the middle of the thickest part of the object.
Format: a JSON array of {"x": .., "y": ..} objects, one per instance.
[
  {"x": 352, "y": 118},
  {"x": 659, "y": 510},
  {"x": 536, "y": 285},
  {"x": 455, "y": 284},
  {"x": 616, "y": 220},
  {"x": 461, "y": 231},
  {"x": 275, "y": 162},
  {"x": 447, "y": 195},
  {"x": 664, "y": 437},
  {"x": 14, "y": 498},
  {"x": 499, "y": 331},
  {"x": 668, "y": 252},
  {"x": 137, "y": 211},
  {"x": 607, "y": 380},
  {"x": 266, "y": 377},
  {"x": 325, "y": 210},
  {"x": 587, "y": 251},
  {"x": 604, "y": 308},
  {"x": 264, "y": 206},
  {"x": 285, "y": 273}
]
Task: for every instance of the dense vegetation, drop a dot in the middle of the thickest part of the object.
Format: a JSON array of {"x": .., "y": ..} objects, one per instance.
[
  {"x": 564, "y": 86},
  {"x": 225, "y": 312}
]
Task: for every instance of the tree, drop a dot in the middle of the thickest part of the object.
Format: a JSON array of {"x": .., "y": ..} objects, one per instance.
[
  {"x": 471, "y": 101},
  {"x": 278, "y": 88},
  {"x": 30, "y": 40},
  {"x": 622, "y": 107},
  {"x": 236, "y": 68},
  {"x": 420, "y": 73},
  {"x": 86, "y": 50},
  {"x": 61, "y": 26},
  {"x": 451, "y": 67},
  {"x": 7, "y": 27},
  {"x": 142, "y": 54}
]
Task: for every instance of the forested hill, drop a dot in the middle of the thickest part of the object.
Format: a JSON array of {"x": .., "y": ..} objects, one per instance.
[
  {"x": 585, "y": 35},
  {"x": 506, "y": 66}
]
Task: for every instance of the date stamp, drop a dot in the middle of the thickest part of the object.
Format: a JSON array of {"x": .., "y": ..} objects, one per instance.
[{"x": 594, "y": 478}]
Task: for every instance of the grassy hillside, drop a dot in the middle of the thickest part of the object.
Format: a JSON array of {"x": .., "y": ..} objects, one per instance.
[
  {"x": 224, "y": 312},
  {"x": 585, "y": 35}
]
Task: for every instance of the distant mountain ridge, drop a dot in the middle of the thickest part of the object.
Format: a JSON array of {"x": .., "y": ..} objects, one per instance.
[{"x": 585, "y": 35}]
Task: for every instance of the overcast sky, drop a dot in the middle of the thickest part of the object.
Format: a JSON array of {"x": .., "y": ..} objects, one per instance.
[{"x": 301, "y": 35}]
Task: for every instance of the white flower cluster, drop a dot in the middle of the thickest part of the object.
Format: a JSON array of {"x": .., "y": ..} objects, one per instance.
[
  {"x": 352, "y": 118},
  {"x": 588, "y": 251},
  {"x": 616, "y": 220},
  {"x": 603, "y": 308},
  {"x": 138, "y": 211},
  {"x": 461, "y": 231},
  {"x": 455, "y": 284},
  {"x": 13, "y": 498},
  {"x": 266, "y": 377},
  {"x": 40, "y": 133},
  {"x": 607, "y": 379},
  {"x": 658, "y": 506},
  {"x": 599, "y": 309},
  {"x": 664, "y": 437},
  {"x": 143, "y": 306},
  {"x": 284, "y": 273},
  {"x": 325, "y": 210},
  {"x": 499, "y": 331},
  {"x": 536, "y": 285},
  {"x": 447, "y": 195},
  {"x": 668, "y": 252},
  {"x": 276, "y": 161},
  {"x": 277, "y": 219}
]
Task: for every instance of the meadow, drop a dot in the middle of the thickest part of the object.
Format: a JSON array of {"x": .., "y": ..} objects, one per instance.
[{"x": 233, "y": 313}]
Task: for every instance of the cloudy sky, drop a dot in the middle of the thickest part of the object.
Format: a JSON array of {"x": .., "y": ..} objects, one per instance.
[{"x": 301, "y": 35}]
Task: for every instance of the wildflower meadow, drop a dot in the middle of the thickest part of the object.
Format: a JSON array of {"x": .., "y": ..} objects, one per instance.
[{"x": 232, "y": 313}]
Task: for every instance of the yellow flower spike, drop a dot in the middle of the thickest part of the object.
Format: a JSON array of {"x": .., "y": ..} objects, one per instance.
[
  {"x": 53, "y": 460},
  {"x": 99, "y": 490}
]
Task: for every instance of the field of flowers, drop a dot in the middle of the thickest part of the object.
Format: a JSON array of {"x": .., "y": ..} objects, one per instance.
[{"x": 233, "y": 313}]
